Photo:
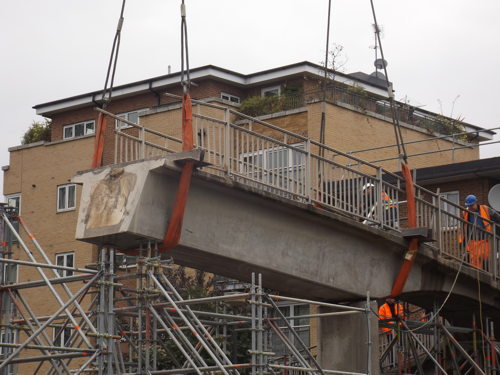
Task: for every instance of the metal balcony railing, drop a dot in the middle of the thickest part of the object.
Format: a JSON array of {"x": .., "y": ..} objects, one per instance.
[
  {"x": 292, "y": 166},
  {"x": 363, "y": 101}
]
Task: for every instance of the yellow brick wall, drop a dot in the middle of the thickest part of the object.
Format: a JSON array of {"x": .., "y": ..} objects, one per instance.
[
  {"x": 348, "y": 130},
  {"x": 36, "y": 172}
]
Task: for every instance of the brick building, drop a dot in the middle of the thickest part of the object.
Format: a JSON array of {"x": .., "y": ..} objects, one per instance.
[
  {"x": 38, "y": 177},
  {"x": 455, "y": 181}
]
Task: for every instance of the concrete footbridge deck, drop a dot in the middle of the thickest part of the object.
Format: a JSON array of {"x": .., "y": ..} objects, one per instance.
[{"x": 233, "y": 227}]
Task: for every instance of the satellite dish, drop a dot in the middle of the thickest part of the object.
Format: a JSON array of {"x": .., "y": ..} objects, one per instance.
[
  {"x": 380, "y": 63},
  {"x": 494, "y": 197},
  {"x": 378, "y": 74}
]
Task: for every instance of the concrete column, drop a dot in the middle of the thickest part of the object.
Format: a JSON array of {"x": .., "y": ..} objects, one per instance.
[{"x": 343, "y": 341}]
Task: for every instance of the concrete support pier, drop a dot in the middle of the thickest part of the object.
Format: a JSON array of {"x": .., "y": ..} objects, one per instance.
[{"x": 342, "y": 341}]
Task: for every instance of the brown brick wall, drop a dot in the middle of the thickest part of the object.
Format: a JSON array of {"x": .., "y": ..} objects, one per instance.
[
  {"x": 206, "y": 88},
  {"x": 477, "y": 186}
]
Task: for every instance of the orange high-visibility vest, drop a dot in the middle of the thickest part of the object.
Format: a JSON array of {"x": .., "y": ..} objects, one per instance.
[
  {"x": 388, "y": 202},
  {"x": 484, "y": 213},
  {"x": 384, "y": 313}
]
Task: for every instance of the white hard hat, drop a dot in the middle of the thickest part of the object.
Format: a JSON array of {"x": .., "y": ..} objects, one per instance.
[{"x": 366, "y": 186}]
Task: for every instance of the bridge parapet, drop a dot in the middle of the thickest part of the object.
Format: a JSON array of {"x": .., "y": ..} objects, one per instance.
[{"x": 295, "y": 167}]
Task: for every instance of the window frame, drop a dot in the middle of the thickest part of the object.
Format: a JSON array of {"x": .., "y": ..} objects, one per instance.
[
  {"x": 64, "y": 256},
  {"x": 73, "y": 127},
  {"x": 292, "y": 312},
  {"x": 8, "y": 197},
  {"x": 262, "y": 169},
  {"x": 3, "y": 279},
  {"x": 66, "y": 207},
  {"x": 230, "y": 98},
  {"x": 3, "y": 335},
  {"x": 62, "y": 340},
  {"x": 120, "y": 125},
  {"x": 449, "y": 209},
  {"x": 270, "y": 89}
]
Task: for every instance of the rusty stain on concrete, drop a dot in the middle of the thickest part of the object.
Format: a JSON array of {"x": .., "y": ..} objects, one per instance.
[{"x": 108, "y": 201}]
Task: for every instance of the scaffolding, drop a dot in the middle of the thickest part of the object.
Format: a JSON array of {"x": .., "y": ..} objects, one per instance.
[{"x": 116, "y": 319}]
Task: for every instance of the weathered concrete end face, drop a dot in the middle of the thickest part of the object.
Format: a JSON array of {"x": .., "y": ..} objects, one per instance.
[{"x": 122, "y": 205}]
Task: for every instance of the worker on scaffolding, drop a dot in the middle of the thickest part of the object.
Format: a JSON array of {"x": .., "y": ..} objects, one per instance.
[
  {"x": 389, "y": 313},
  {"x": 477, "y": 229},
  {"x": 369, "y": 203}
]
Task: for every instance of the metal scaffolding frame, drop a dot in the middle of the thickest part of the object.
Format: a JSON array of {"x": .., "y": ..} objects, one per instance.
[
  {"x": 113, "y": 321},
  {"x": 422, "y": 347},
  {"x": 108, "y": 320}
]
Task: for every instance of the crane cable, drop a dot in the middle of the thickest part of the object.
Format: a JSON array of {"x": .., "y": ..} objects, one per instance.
[
  {"x": 325, "y": 78},
  {"x": 411, "y": 252},
  {"x": 174, "y": 228},
  {"x": 107, "y": 93},
  {"x": 390, "y": 93}
]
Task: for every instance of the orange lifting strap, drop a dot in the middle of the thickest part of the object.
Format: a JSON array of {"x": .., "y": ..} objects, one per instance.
[
  {"x": 409, "y": 258},
  {"x": 174, "y": 228},
  {"x": 99, "y": 141}
]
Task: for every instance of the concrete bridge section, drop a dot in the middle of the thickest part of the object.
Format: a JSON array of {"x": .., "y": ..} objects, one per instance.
[{"x": 233, "y": 229}]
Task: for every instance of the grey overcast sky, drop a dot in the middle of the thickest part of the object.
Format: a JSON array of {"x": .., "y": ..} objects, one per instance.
[{"x": 436, "y": 49}]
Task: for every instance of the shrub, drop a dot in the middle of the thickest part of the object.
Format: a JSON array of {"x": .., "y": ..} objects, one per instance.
[{"x": 38, "y": 131}]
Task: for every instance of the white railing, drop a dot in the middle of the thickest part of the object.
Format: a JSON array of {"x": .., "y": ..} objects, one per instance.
[{"x": 289, "y": 165}]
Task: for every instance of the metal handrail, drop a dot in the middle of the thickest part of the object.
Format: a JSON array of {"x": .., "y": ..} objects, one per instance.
[{"x": 271, "y": 160}]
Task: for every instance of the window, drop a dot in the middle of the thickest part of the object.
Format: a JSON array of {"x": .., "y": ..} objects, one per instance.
[
  {"x": 449, "y": 211},
  {"x": 62, "y": 336},
  {"x": 7, "y": 337},
  {"x": 79, "y": 129},
  {"x": 66, "y": 260},
  {"x": 279, "y": 166},
  {"x": 9, "y": 275},
  {"x": 14, "y": 200},
  {"x": 300, "y": 325},
  {"x": 66, "y": 197},
  {"x": 270, "y": 91},
  {"x": 132, "y": 116},
  {"x": 229, "y": 97}
]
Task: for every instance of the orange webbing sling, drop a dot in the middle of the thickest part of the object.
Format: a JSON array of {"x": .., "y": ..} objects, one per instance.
[
  {"x": 99, "y": 141},
  {"x": 174, "y": 228},
  {"x": 411, "y": 253}
]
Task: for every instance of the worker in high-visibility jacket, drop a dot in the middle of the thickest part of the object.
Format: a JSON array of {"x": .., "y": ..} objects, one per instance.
[
  {"x": 390, "y": 310},
  {"x": 368, "y": 206},
  {"x": 480, "y": 216}
]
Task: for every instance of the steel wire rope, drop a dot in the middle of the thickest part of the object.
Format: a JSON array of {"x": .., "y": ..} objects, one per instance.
[
  {"x": 186, "y": 84},
  {"x": 100, "y": 130},
  {"x": 397, "y": 127},
  {"x": 173, "y": 231},
  {"x": 436, "y": 314},
  {"x": 323, "y": 114},
  {"x": 113, "y": 60},
  {"x": 480, "y": 314}
]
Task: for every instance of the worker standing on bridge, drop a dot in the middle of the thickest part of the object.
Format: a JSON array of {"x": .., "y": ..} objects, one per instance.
[
  {"x": 480, "y": 217},
  {"x": 370, "y": 203},
  {"x": 390, "y": 310}
]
